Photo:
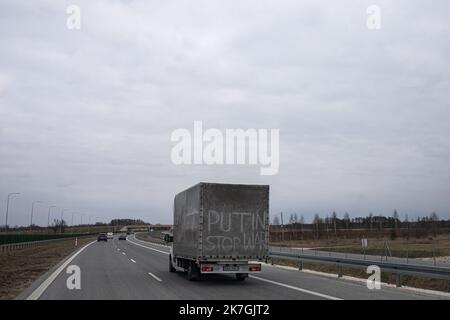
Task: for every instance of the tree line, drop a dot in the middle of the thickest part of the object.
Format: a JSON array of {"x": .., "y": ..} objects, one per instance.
[{"x": 332, "y": 225}]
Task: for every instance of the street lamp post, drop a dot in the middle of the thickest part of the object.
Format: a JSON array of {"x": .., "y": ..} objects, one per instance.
[
  {"x": 32, "y": 211},
  {"x": 71, "y": 223},
  {"x": 61, "y": 222},
  {"x": 90, "y": 224},
  {"x": 62, "y": 213},
  {"x": 48, "y": 217},
  {"x": 7, "y": 208}
]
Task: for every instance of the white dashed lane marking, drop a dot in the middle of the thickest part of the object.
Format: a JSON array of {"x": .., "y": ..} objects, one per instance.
[{"x": 155, "y": 277}]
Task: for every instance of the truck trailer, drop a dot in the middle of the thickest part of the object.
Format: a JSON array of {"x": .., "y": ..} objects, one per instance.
[{"x": 220, "y": 229}]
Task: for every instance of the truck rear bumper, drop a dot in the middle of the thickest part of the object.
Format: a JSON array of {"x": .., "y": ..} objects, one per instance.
[{"x": 210, "y": 268}]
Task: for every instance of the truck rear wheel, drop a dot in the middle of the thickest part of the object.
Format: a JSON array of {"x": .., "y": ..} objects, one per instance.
[
  {"x": 241, "y": 276},
  {"x": 171, "y": 268},
  {"x": 193, "y": 273}
]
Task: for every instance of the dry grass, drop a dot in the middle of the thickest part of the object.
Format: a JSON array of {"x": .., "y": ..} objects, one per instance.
[
  {"x": 412, "y": 248},
  {"x": 20, "y": 268}
]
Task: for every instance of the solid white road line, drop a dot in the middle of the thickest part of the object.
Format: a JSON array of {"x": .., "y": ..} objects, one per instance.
[
  {"x": 149, "y": 242},
  {"x": 140, "y": 245},
  {"x": 133, "y": 261},
  {"x": 152, "y": 243},
  {"x": 158, "y": 279},
  {"x": 47, "y": 282},
  {"x": 297, "y": 288}
]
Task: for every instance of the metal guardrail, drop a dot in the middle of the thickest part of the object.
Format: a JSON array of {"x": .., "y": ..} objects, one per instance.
[
  {"x": 20, "y": 245},
  {"x": 434, "y": 272}
]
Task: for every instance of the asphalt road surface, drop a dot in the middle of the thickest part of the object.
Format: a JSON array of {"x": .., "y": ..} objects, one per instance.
[{"x": 135, "y": 269}]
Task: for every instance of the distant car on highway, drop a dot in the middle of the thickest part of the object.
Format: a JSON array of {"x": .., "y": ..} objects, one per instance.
[
  {"x": 123, "y": 237},
  {"x": 102, "y": 237},
  {"x": 110, "y": 235}
]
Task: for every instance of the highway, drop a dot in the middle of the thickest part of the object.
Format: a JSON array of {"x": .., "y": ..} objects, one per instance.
[{"x": 135, "y": 269}]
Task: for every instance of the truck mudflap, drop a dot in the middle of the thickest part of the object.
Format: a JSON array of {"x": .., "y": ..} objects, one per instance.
[{"x": 207, "y": 268}]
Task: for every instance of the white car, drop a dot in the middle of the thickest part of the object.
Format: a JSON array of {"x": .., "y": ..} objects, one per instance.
[{"x": 110, "y": 235}]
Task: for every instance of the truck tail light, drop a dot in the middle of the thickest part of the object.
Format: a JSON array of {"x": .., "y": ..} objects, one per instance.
[
  {"x": 254, "y": 268},
  {"x": 207, "y": 269}
]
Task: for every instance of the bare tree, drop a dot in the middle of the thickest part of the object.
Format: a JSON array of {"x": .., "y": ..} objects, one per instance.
[
  {"x": 334, "y": 218},
  {"x": 381, "y": 223},
  {"x": 434, "y": 217},
  {"x": 395, "y": 217},
  {"x": 316, "y": 223},
  {"x": 59, "y": 225},
  {"x": 282, "y": 226},
  {"x": 434, "y": 222},
  {"x": 291, "y": 219},
  {"x": 346, "y": 220},
  {"x": 302, "y": 222},
  {"x": 406, "y": 221},
  {"x": 276, "y": 221}
]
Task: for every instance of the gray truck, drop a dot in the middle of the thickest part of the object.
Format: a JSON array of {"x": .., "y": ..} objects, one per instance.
[{"x": 220, "y": 228}]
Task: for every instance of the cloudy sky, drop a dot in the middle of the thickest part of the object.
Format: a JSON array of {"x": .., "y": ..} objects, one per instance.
[{"x": 86, "y": 115}]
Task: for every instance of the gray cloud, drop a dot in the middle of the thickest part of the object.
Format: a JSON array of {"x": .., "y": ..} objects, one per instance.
[{"x": 86, "y": 116}]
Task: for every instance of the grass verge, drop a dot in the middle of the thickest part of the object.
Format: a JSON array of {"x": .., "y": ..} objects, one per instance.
[
  {"x": 20, "y": 268},
  {"x": 431, "y": 247}
]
